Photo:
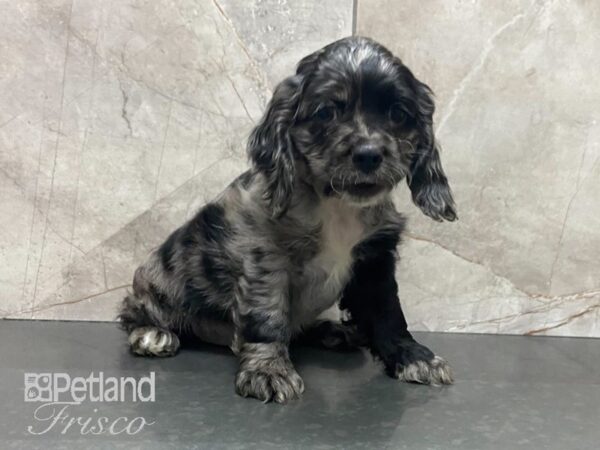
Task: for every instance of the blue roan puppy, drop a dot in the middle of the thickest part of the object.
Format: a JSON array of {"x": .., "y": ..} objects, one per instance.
[{"x": 311, "y": 224}]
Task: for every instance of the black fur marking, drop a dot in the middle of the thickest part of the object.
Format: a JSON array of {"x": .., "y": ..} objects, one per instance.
[
  {"x": 371, "y": 297},
  {"x": 260, "y": 327},
  {"x": 332, "y": 335},
  {"x": 159, "y": 298},
  {"x": 133, "y": 314},
  {"x": 196, "y": 301},
  {"x": 209, "y": 225},
  {"x": 211, "y": 221},
  {"x": 246, "y": 179},
  {"x": 385, "y": 239},
  {"x": 211, "y": 268},
  {"x": 167, "y": 251},
  {"x": 218, "y": 271},
  {"x": 258, "y": 254}
]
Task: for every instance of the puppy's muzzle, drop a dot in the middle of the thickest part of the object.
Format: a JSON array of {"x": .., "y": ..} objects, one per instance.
[{"x": 367, "y": 158}]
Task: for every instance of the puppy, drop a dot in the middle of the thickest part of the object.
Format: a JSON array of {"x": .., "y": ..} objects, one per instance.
[{"x": 311, "y": 224}]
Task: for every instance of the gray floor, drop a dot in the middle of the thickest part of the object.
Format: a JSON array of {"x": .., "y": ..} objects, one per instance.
[{"x": 511, "y": 392}]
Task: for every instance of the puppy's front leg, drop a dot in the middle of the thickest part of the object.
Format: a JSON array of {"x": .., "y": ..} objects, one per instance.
[
  {"x": 371, "y": 298},
  {"x": 263, "y": 332}
]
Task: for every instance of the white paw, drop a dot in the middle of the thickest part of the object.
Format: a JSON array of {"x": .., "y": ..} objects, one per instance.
[
  {"x": 152, "y": 341},
  {"x": 436, "y": 372},
  {"x": 268, "y": 385}
]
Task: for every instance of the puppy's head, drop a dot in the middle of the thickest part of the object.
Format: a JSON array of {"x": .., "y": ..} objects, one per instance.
[{"x": 353, "y": 122}]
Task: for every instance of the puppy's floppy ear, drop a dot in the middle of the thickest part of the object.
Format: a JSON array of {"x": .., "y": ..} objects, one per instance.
[
  {"x": 270, "y": 146},
  {"x": 427, "y": 180}
]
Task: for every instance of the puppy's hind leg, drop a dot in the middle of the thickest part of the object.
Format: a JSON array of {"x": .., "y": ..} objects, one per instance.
[
  {"x": 145, "y": 315},
  {"x": 332, "y": 335}
]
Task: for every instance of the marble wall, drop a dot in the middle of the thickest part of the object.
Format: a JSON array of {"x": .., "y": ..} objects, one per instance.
[
  {"x": 518, "y": 97},
  {"x": 119, "y": 119}
]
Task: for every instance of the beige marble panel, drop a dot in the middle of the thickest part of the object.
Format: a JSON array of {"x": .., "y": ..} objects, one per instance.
[
  {"x": 517, "y": 97},
  {"x": 117, "y": 121}
]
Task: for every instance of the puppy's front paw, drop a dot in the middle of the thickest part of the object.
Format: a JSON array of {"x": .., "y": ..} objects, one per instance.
[
  {"x": 267, "y": 373},
  {"x": 415, "y": 363},
  {"x": 269, "y": 384}
]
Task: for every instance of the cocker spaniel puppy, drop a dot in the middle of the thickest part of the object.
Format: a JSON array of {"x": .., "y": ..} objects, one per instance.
[{"x": 311, "y": 224}]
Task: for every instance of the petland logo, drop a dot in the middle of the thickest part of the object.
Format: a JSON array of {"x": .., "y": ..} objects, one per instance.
[{"x": 60, "y": 394}]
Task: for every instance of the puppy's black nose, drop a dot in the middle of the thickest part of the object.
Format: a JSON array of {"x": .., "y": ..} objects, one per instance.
[{"x": 366, "y": 158}]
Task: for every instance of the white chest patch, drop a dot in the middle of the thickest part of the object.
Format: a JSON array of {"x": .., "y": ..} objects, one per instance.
[{"x": 326, "y": 274}]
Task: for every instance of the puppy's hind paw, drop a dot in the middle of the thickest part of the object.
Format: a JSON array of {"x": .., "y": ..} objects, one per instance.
[
  {"x": 333, "y": 336},
  {"x": 153, "y": 341}
]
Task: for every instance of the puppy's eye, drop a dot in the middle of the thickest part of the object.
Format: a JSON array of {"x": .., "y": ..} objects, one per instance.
[
  {"x": 397, "y": 114},
  {"x": 325, "y": 113}
]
